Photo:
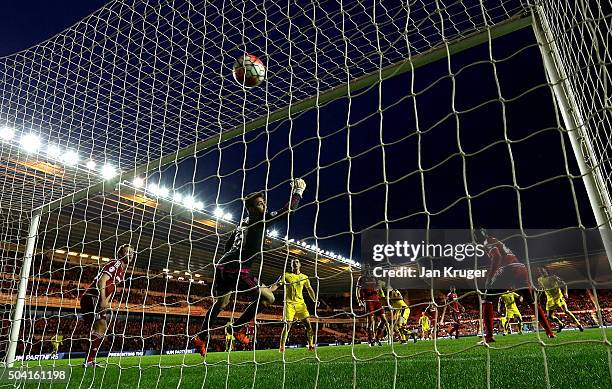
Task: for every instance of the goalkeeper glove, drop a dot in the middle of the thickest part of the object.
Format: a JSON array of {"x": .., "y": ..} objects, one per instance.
[{"x": 298, "y": 186}]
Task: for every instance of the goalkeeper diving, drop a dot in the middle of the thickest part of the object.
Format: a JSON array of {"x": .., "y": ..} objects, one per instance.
[{"x": 233, "y": 271}]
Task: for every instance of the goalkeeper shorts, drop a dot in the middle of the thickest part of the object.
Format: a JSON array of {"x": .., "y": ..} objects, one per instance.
[{"x": 234, "y": 280}]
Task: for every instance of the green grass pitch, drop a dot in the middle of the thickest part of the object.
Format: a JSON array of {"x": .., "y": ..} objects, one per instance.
[{"x": 572, "y": 360}]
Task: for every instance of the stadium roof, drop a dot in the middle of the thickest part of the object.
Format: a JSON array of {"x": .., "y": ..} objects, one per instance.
[
  {"x": 167, "y": 236},
  {"x": 137, "y": 86}
]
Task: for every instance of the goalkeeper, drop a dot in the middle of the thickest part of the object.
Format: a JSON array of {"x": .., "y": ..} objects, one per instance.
[
  {"x": 295, "y": 306},
  {"x": 233, "y": 271}
]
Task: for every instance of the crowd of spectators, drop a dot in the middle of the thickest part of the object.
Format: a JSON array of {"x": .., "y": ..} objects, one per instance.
[
  {"x": 149, "y": 333},
  {"x": 143, "y": 331}
]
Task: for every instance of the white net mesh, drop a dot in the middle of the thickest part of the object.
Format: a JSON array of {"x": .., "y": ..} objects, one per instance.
[{"x": 129, "y": 128}]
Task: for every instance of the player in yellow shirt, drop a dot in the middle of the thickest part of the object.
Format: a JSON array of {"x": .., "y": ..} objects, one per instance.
[
  {"x": 56, "y": 341},
  {"x": 509, "y": 300},
  {"x": 229, "y": 337},
  {"x": 425, "y": 326},
  {"x": 551, "y": 285},
  {"x": 295, "y": 306},
  {"x": 400, "y": 314}
]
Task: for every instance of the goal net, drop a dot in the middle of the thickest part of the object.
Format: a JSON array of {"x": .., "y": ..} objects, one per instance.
[{"x": 437, "y": 119}]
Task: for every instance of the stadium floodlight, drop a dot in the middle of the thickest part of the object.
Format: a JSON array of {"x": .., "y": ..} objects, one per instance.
[
  {"x": 91, "y": 165},
  {"x": 199, "y": 205},
  {"x": 153, "y": 189},
  {"x": 189, "y": 202},
  {"x": 7, "y": 133},
  {"x": 227, "y": 216},
  {"x": 70, "y": 158},
  {"x": 108, "y": 171},
  {"x": 54, "y": 151},
  {"x": 165, "y": 270},
  {"x": 177, "y": 197},
  {"x": 30, "y": 143},
  {"x": 218, "y": 212},
  {"x": 273, "y": 233},
  {"x": 197, "y": 275},
  {"x": 176, "y": 272},
  {"x": 163, "y": 191},
  {"x": 138, "y": 182}
]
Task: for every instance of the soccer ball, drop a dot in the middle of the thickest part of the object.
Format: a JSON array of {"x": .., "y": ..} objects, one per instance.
[{"x": 249, "y": 71}]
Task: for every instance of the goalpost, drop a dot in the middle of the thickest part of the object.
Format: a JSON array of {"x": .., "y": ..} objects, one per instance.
[
  {"x": 580, "y": 133},
  {"x": 587, "y": 135}
]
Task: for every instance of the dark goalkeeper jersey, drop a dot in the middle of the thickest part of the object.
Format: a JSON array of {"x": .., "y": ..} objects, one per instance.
[{"x": 245, "y": 242}]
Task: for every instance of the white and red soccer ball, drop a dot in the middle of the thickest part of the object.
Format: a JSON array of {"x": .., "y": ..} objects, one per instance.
[{"x": 249, "y": 71}]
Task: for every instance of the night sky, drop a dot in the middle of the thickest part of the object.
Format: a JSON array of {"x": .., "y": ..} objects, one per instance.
[{"x": 522, "y": 111}]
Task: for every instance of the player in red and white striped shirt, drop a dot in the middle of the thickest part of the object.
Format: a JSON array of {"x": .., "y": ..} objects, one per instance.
[{"x": 95, "y": 301}]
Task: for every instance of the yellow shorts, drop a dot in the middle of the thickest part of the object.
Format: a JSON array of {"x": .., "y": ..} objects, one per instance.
[
  {"x": 296, "y": 311},
  {"x": 402, "y": 316},
  {"x": 552, "y": 304},
  {"x": 424, "y": 328},
  {"x": 512, "y": 312}
]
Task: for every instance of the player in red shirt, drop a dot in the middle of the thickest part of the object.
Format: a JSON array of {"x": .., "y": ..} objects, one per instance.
[
  {"x": 504, "y": 265},
  {"x": 95, "y": 301},
  {"x": 368, "y": 293},
  {"x": 452, "y": 302}
]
